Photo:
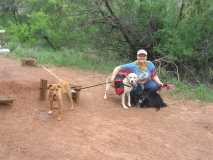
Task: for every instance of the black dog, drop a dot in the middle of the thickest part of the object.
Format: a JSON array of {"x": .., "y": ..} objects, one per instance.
[{"x": 147, "y": 99}]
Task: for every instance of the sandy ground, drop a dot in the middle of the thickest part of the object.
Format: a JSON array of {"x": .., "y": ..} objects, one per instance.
[{"x": 97, "y": 128}]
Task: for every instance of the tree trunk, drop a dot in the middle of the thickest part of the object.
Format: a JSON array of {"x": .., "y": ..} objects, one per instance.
[{"x": 121, "y": 27}]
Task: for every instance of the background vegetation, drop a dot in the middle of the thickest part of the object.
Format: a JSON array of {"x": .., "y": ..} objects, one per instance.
[{"x": 103, "y": 33}]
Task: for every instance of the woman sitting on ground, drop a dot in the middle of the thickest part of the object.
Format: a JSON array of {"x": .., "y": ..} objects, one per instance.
[{"x": 146, "y": 71}]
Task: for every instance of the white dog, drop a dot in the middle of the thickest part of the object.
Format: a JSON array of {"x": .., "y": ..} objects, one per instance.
[{"x": 129, "y": 81}]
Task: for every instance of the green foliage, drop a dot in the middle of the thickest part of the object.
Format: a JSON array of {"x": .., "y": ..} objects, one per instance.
[{"x": 19, "y": 32}]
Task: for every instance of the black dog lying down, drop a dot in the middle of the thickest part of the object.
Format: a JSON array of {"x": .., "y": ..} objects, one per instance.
[{"x": 147, "y": 99}]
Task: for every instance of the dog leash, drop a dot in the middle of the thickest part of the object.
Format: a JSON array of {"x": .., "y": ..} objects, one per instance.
[
  {"x": 99, "y": 84},
  {"x": 59, "y": 79},
  {"x": 50, "y": 72},
  {"x": 166, "y": 85}
]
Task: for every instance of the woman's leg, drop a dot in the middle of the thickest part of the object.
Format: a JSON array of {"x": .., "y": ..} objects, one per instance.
[{"x": 151, "y": 85}]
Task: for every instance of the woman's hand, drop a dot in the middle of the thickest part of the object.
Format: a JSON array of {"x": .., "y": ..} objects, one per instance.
[{"x": 161, "y": 84}]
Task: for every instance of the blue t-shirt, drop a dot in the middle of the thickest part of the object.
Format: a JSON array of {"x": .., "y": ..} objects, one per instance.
[{"x": 146, "y": 72}]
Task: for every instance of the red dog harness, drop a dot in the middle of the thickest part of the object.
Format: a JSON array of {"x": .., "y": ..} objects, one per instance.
[{"x": 119, "y": 86}]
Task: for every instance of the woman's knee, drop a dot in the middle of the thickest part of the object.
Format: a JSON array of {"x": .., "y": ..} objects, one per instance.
[{"x": 151, "y": 85}]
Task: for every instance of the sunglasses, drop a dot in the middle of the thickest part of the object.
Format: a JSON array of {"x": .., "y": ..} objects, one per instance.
[{"x": 141, "y": 55}]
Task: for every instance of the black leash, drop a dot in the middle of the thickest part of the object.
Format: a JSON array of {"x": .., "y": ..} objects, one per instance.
[{"x": 99, "y": 84}]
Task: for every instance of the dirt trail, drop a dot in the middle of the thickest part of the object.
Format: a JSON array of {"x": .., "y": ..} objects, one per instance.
[{"x": 97, "y": 129}]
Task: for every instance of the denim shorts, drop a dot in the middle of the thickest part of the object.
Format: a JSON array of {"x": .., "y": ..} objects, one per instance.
[{"x": 151, "y": 85}]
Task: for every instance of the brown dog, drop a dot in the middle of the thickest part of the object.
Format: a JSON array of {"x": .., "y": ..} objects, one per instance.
[{"x": 55, "y": 94}]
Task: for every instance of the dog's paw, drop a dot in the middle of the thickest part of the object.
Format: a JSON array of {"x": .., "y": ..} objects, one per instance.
[
  {"x": 105, "y": 97},
  {"x": 125, "y": 107},
  {"x": 71, "y": 108},
  {"x": 50, "y": 112}
]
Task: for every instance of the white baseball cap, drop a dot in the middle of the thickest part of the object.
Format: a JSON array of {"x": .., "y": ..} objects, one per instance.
[{"x": 142, "y": 51}]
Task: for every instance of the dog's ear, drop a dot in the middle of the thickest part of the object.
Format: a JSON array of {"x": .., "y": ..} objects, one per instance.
[{"x": 49, "y": 86}]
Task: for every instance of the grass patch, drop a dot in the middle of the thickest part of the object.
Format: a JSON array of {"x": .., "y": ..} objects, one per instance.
[
  {"x": 78, "y": 59},
  {"x": 195, "y": 92}
]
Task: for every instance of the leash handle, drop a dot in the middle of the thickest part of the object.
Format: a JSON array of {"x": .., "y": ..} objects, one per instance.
[{"x": 168, "y": 86}]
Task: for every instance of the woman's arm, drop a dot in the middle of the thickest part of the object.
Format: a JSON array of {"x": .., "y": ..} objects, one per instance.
[{"x": 156, "y": 79}]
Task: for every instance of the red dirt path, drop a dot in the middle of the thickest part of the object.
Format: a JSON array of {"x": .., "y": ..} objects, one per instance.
[{"x": 98, "y": 129}]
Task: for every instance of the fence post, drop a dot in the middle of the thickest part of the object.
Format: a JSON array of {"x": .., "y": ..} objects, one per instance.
[{"x": 43, "y": 89}]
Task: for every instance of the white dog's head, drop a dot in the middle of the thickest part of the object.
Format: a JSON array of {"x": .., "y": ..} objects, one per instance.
[{"x": 132, "y": 78}]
